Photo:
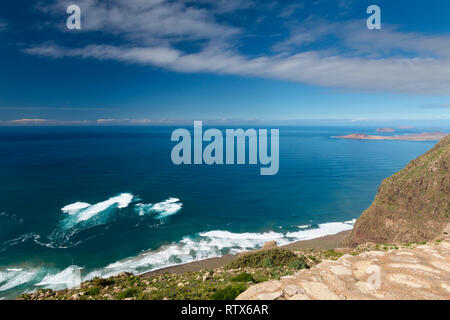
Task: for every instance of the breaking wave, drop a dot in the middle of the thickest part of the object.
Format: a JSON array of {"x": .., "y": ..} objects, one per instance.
[
  {"x": 81, "y": 211},
  {"x": 68, "y": 278},
  {"x": 163, "y": 209},
  {"x": 14, "y": 277},
  {"x": 212, "y": 244},
  {"x": 80, "y": 216},
  {"x": 82, "y": 221},
  {"x": 204, "y": 245}
]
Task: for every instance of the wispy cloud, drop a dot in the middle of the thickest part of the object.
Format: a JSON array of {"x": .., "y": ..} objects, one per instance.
[
  {"x": 358, "y": 59},
  {"x": 352, "y": 37},
  {"x": 225, "y": 6},
  {"x": 55, "y": 122},
  {"x": 127, "y": 121},
  {"x": 28, "y": 121},
  {"x": 43, "y": 122},
  {"x": 56, "y": 108},
  {"x": 437, "y": 106},
  {"x": 418, "y": 75},
  {"x": 290, "y": 10},
  {"x": 152, "y": 21}
]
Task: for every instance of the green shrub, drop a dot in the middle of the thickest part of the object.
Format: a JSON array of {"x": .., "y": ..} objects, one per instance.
[
  {"x": 92, "y": 291},
  {"x": 267, "y": 262},
  {"x": 243, "y": 277},
  {"x": 265, "y": 259},
  {"x": 128, "y": 293},
  {"x": 333, "y": 254},
  {"x": 229, "y": 293},
  {"x": 298, "y": 264},
  {"x": 103, "y": 282}
]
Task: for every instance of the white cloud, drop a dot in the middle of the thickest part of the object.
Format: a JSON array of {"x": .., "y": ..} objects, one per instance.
[
  {"x": 352, "y": 35},
  {"x": 126, "y": 121},
  {"x": 290, "y": 10},
  {"x": 225, "y": 6},
  {"x": 44, "y": 122},
  {"x": 387, "y": 60},
  {"x": 393, "y": 74},
  {"x": 99, "y": 122},
  {"x": 149, "y": 21},
  {"x": 27, "y": 121},
  {"x": 437, "y": 106}
]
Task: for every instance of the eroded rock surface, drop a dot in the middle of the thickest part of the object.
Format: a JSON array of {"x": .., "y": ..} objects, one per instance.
[{"x": 422, "y": 272}]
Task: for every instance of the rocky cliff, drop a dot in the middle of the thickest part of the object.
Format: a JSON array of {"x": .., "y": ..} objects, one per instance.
[
  {"x": 413, "y": 272},
  {"x": 412, "y": 205}
]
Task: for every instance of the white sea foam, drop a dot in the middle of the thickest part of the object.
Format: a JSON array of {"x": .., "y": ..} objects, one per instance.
[
  {"x": 323, "y": 230},
  {"x": 206, "y": 245},
  {"x": 82, "y": 211},
  {"x": 75, "y": 207},
  {"x": 163, "y": 209},
  {"x": 120, "y": 201},
  {"x": 212, "y": 244},
  {"x": 14, "y": 277},
  {"x": 69, "y": 277}
]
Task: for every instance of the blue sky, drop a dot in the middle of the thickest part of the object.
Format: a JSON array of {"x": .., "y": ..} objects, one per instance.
[{"x": 159, "y": 61}]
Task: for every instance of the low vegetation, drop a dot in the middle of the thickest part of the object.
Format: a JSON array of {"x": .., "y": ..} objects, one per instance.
[
  {"x": 269, "y": 259},
  {"x": 224, "y": 283}
]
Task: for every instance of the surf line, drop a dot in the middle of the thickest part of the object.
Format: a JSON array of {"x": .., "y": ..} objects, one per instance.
[{"x": 213, "y": 153}]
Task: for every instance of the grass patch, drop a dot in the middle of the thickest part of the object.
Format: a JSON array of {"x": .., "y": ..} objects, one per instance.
[
  {"x": 128, "y": 293},
  {"x": 103, "y": 282},
  {"x": 298, "y": 264},
  {"x": 265, "y": 259},
  {"x": 229, "y": 292},
  {"x": 94, "y": 291},
  {"x": 243, "y": 277},
  {"x": 332, "y": 254}
]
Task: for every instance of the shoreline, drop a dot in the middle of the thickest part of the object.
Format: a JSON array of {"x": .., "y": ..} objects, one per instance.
[{"x": 328, "y": 242}]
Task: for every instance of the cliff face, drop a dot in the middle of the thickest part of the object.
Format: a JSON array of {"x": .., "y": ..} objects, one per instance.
[{"x": 412, "y": 205}]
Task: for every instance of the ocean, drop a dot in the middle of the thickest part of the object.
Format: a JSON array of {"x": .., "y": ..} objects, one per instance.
[{"x": 80, "y": 202}]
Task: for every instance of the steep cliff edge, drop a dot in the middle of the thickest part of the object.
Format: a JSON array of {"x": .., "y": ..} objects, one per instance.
[{"x": 412, "y": 205}]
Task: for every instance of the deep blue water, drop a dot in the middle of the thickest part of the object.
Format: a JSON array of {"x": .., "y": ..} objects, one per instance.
[{"x": 322, "y": 183}]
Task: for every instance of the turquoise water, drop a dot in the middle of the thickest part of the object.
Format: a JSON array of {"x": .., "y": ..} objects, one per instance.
[{"x": 80, "y": 202}]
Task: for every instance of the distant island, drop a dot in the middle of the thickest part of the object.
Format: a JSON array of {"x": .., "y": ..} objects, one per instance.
[
  {"x": 424, "y": 136},
  {"x": 385, "y": 130}
]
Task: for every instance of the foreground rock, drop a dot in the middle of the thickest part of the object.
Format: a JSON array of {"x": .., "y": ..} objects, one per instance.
[
  {"x": 422, "y": 272},
  {"x": 412, "y": 205}
]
